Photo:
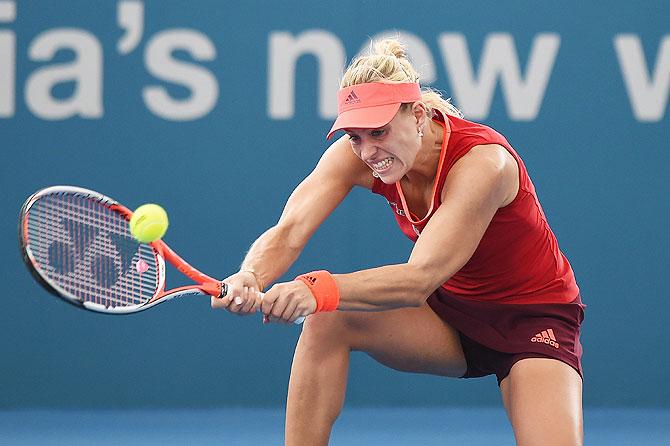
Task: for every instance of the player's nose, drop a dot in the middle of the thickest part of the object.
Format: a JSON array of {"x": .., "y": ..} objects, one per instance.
[{"x": 368, "y": 150}]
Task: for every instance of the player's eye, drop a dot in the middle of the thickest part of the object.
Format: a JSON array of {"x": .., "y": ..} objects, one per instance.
[
  {"x": 354, "y": 139},
  {"x": 376, "y": 133}
]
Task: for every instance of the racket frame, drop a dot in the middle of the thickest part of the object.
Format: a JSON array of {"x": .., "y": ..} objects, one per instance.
[{"x": 205, "y": 285}]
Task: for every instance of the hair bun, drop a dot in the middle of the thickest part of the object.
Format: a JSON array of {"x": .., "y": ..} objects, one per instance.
[{"x": 390, "y": 47}]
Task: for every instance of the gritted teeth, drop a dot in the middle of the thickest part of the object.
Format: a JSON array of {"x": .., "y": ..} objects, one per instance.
[{"x": 383, "y": 164}]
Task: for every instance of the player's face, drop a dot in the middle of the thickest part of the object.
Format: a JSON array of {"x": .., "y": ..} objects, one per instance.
[{"x": 390, "y": 150}]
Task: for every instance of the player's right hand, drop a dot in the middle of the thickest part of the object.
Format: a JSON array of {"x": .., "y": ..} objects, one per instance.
[{"x": 243, "y": 296}]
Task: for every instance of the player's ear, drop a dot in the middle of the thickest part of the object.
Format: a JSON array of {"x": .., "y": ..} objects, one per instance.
[{"x": 420, "y": 112}]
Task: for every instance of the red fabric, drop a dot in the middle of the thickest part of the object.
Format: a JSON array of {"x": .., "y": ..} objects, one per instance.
[
  {"x": 518, "y": 259},
  {"x": 495, "y": 336}
]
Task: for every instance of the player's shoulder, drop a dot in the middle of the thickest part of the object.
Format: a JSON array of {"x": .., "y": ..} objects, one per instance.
[
  {"x": 486, "y": 157},
  {"x": 491, "y": 165}
]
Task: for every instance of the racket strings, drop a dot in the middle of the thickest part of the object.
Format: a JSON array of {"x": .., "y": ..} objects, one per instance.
[
  {"x": 64, "y": 262},
  {"x": 86, "y": 249}
]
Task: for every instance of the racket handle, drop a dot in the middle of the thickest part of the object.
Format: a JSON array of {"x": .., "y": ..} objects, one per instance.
[
  {"x": 224, "y": 291},
  {"x": 298, "y": 321}
]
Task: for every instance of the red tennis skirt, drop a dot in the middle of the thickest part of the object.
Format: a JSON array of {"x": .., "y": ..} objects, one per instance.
[{"x": 494, "y": 336}]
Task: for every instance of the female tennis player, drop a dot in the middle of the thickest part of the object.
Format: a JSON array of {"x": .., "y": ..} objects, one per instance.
[{"x": 485, "y": 290}]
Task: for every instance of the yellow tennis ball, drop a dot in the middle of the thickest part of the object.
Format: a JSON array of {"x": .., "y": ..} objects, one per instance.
[{"x": 148, "y": 223}]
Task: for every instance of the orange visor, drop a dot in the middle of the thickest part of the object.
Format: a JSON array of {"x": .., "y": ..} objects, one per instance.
[{"x": 372, "y": 105}]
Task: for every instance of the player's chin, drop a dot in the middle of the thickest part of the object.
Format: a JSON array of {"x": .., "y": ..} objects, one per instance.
[{"x": 391, "y": 177}]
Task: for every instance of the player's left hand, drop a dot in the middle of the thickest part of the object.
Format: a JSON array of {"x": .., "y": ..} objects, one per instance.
[{"x": 286, "y": 302}]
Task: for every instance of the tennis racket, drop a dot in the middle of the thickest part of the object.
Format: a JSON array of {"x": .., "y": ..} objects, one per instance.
[{"x": 77, "y": 244}]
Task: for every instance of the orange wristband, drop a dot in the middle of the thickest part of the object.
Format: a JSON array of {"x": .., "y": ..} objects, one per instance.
[{"x": 323, "y": 288}]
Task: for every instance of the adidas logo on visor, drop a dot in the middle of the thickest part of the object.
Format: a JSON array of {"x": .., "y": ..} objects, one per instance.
[{"x": 352, "y": 99}]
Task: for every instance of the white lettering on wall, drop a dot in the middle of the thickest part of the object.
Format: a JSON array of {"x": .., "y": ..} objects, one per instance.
[
  {"x": 130, "y": 18},
  {"x": 647, "y": 80},
  {"x": 473, "y": 93},
  {"x": 648, "y": 96},
  {"x": 85, "y": 71},
  {"x": 201, "y": 82},
  {"x": 7, "y": 61},
  {"x": 284, "y": 51}
]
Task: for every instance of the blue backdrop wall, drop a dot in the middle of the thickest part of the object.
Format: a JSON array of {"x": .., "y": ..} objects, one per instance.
[{"x": 217, "y": 110}]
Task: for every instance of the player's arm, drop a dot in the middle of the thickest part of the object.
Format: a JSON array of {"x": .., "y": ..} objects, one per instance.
[
  {"x": 311, "y": 202},
  {"x": 480, "y": 183}
]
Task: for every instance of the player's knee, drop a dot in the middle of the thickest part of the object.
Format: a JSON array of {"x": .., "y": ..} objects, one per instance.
[
  {"x": 338, "y": 328},
  {"x": 328, "y": 327}
]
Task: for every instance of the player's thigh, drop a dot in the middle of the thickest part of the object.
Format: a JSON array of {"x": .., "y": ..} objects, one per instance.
[
  {"x": 406, "y": 339},
  {"x": 543, "y": 398}
]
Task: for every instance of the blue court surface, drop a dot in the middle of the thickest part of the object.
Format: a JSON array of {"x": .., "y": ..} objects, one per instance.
[{"x": 370, "y": 427}]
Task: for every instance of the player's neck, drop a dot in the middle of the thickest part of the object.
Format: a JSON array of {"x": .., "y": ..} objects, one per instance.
[{"x": 424, "y": 169}]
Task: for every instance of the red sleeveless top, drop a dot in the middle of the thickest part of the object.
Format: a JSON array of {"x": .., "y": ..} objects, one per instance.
[{"x": 518, "y": 259}]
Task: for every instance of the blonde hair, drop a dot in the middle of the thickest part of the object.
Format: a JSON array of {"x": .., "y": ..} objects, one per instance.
[{"x": 388, "y": 62}]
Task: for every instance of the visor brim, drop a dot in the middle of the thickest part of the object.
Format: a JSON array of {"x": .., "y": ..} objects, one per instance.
[{"x": 365, "y": 118}]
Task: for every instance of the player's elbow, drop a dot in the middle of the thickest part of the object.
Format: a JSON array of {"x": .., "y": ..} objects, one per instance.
[
  {"x": 423, "y": 284},
  {"x": 416, "y": 300},
  {"x": 421, "y": 296}
]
